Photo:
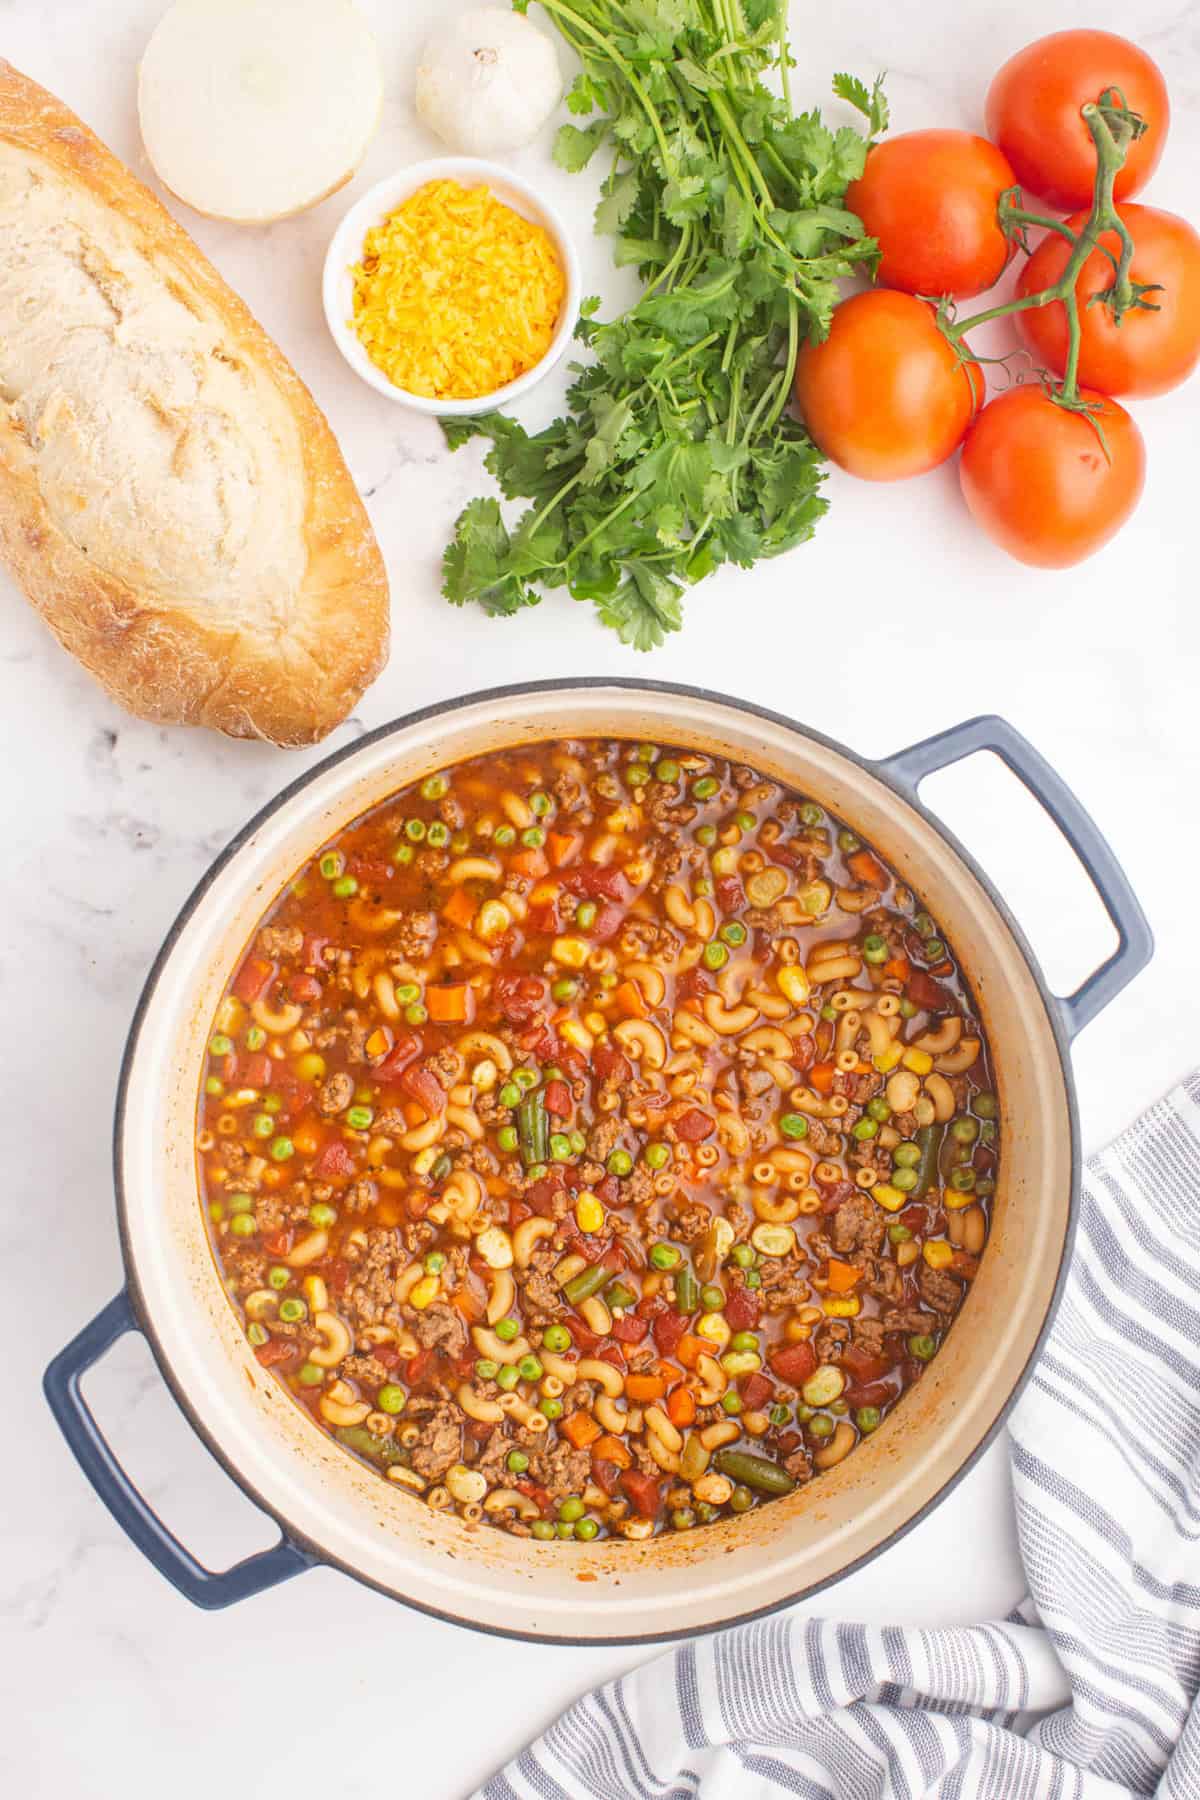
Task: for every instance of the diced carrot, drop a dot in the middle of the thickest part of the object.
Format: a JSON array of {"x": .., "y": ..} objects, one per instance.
[
  {"x": 896, "y": 968},
  {"x": 681, "y": 1407},
  {"x": 821, "y": 1077},
  {"x": 843, "y": 1276},
  {"x": 468, "y": 1303},
  {"x": 561, "y": 847},
  {"x": 611, "y": 1449},
  {"x": 544, "y": 893},
  {"x": 307, "y": 1138},
  {"x": 628, "y": 997},
  {"x": 450, "y": 1003},
  {"x": 580, "y": 1429},
  {"x": 253, "y": 979},
  {"x": 274, "y": 1176},
  {"x": 644, "y": 1387},
  {"x": 460, "y": 908},
  {"x": 379, "y": 1042},
  {"x": 866, "y": 868},
  {"x": 691, "y": 1348},
  {"x": 529, "y": 862},
  {"x": 668, "y": 1372}
]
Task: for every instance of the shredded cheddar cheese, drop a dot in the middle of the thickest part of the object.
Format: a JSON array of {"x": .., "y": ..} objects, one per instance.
[{"x": 456, "y": 294}]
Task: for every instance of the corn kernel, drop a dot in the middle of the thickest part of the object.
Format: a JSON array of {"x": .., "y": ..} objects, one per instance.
[
  {"x": 425, "y": 1292},
  {"x": 638, "y": 872},
  {"x": 492, "y": 920},
  {"x": 919, "y": 1061},
  {"x": 424, "y": 1160},
  {"x": 484, "y": 1076},
  {"x": 888, "y": 1196},
  {"x": 938, "y": 1254},
  {"x": 572, "y": 953},
  {"x": 906, "y": 1254},
  {"x": 596, "y": 1021},
  {"x": 792, "y": 983},
  {"x": 887, "y": 1060},
  {"x": 714, "y": 1327},
  {"x": 953, "y": 1198},
  {"x": 577, "y": 1035},
  {"x": 841, "y": 1306},
  {"x": 589, "y": 1213}
]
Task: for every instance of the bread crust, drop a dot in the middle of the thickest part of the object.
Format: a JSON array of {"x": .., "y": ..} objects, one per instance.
[{"x": 290, "y": 685}]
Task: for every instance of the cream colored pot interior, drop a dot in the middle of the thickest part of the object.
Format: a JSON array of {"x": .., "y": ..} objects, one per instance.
[{"x": 606, "y": 1589}]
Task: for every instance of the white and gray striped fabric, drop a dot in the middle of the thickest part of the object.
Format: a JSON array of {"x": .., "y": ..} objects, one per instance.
[{"x": 1089, "y": 1690}]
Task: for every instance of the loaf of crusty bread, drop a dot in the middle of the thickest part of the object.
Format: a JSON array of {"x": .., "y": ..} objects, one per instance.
[{"x": 171, "y": 498}]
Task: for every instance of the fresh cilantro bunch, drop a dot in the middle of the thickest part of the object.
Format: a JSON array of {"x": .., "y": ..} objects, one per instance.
[{"x": 676, "y": 455}]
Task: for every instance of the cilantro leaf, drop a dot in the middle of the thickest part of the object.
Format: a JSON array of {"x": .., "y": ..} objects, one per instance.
[
  {"x": 473, "y": 566},
  {"x": 872, "y": 104},
  {"x": 644, "y": 608}
]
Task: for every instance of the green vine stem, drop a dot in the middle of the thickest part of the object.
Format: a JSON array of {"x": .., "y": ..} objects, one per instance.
[{"x": 1113, "y": 128}]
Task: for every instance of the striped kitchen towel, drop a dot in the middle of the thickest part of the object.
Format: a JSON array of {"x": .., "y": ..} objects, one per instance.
[{"x": 1089, "y": 1689}]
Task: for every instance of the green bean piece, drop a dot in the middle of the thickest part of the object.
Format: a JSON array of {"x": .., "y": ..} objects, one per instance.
[
  {"x": 687, "y": 1291},
  {"x": 365, "y": 1443},
  {"x": 756, "y": 1472},
  {"x": 929, "y": 1143},
  {"x": 588, "y": 1281},
  {"x": 533, "y": 1129}
]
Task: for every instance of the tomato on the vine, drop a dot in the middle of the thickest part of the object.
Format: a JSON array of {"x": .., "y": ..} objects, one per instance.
[
  {"x": 1040, "y": 482},
  {"x": 886, "y": 395},
  {"x": 1152, "y": 348},
  {"x": 930, "y": 198},
  {"x": 1033, "y": 113}
]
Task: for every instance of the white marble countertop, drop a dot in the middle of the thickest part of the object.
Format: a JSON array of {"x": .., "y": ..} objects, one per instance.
[{"x": 110, "y": 1681}]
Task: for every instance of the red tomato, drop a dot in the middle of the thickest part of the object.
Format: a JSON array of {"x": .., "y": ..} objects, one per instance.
[
  {"x": 930, "y": 198},
  {"x": 1149, "y": 351},
  {"x": 1038, "y": 480},
  {"x": 1033, "y": 113},
  {"x": 885, "y": 396},
  {"x": 793, "y": 1363}
]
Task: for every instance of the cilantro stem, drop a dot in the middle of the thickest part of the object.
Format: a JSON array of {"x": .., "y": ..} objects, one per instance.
[{"x": 610, "y": 50}]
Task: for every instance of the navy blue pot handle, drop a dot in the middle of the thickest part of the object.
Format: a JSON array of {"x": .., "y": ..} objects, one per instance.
[
  {"x": 1135, "y": 946},
  {"x": 208, "y": 1588}
]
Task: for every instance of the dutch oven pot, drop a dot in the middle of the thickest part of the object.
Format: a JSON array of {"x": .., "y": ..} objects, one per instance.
[{"x": 330, "y": 1509}]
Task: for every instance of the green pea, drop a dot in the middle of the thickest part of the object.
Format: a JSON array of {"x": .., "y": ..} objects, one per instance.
[
  {"x": 803, "y": 1413},
  {"x": 415, "y": 1014},
  {"x": 279, "y": 1277},
  {"x": 733, "y": 932},
  {"x": 753, "y": 1278},
  {"x": 518, "y": 1462},
  {"x": 714, "y": 956},
  {"x": 507, "y": 1376},
  {"x": 793, "y": 1125},
  {"x": 345, "y": 887},
  {"x": 359, "y": 1118},
  {"x": 586, "y": 1529},
  {"x": 899, "y": 1234},
  {"x": 829, "y": 1014},
  {"x": 908, "y": 1010},
  {"x": 435, "y": 1262},
  {"x": 712, "y": 1299},
  {"x": 571, "y": 1508},
  {"x": 487, "y": 1368},
  {"x": 847, "y": 841},
  {"x": 563, "y": 989},
  {"x": 402, "y": 854},
  {"x": 391, "y": 1398},
  {"x": 867, "y": 1418},
  {"x": 540, "y": 804},
  {"x": 557, "y": 1338},
  {"x": 243, "y": 1225},
  {"x": 239, "y": 1203},
  {"x": 619, "y": 1163},
  {"x": 414, "y": 829},
  {"x": 706, "y": 1512},
  {"x": 683, "y": 1518},
  {"x": 565, "y": 1528},
  {"x": 272, "y": 1104},
  {"x": 441, "y": 1168},
  {"x": 779, "y": 1414},
  {"x": 741, "y": 1500},
  {"x": 216, "y": 1212},
  {"x": 922, "y": 1347},
  {"x": 530, "y": 1369},
  {"x": 906, "y": 1155},
  {"x": 282, "y": 1149},
  {"x": 745, "y": 821},
  {"x": 821, "y": 1425},
  {"x": 743, "y": 1256},
  {"x": 262, "y": 1125},
  {"x": 551, "y": 1408},
  {"x": 332, "y": 864},
  {"x": 731, "y": 1402},
  {"x": 577, "y": 1141},
  {"x": 533, "y": 837},
  {"x": 986, "y": 1187},
  {"x": 878, "y": 1109},
  {"x": 743, "y": 1340},
  {"x": 702, "y": 888},
  {"x": 504, "y": 835},
  {"x": 637, "y": 775},
  {"x": 536, "y": 1171},
  {"x": 220, "y": 1045},
  {"x": 407, "y": 992},
  {"x": 964, "y": 1130},
  {"x": 657, "y": 1156},
  {"x": 706, "y": 835},
  {"x": 665, "y": 1256},
  {"x": 865, "y": 1129},
  {"x": 525, "y": 1078},
  {"x": 560, "y": 1146},
  {"x": 811, "y": 814},
  {"x": 585, "y": 914},
  {"x": 257, "y": 1334},
  {"x": 875, "y": 948},
  {"x": 666, "y": 771},
  {"x": 435, "y": 787},
  {"x": 291, "y": 1311},
  {"x": 933, "y": 950},
  {"x": 510, "y": 1094},
  {"x": 904, "y": 1180},
  {"x": 542, "y": 1529},
  {"x": 962, "y": 1179},
  {"x": 310, "y": 1375},
  {"x": 985, "y": 1105},
  {"x": 507, "y": 1329},
  {"x": 705, "y": 788},
  {"x": 437, "y": 834}
]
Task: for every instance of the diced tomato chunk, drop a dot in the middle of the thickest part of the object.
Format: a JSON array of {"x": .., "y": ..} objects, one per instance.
[
  {"x": 313, "y": 953},
  {"x": 276, "y": 1350},
  {"x": 692, "y": 983},
  {"x": 793, "y": 1363},
  {"x": 387, "y": 1354},
  {"x": 695, "y": 1126},
  {"x": 668, "y": 1328},
  {"x": 542, "y": 920},
  {"x": 423, "y": 1086},
  {"x": 606, "y": 1474},
  {"x": 611, "y": 1353},
  {"x": 404, "y": 1051},
  {"x": 595, "y": 879},
  {"x": 558, "y": 1099},
  {"x": 756, "y": 1390},
  {"x": 335, "y": 1162},
  {"x": 278, "y": 1243},
  {"x": 253, "y": 979},
  {"x": 644, "y": 1492},
  {"x": 742, "y": 1308},
  {"x": 304, "y": 989},
  {"x": 630, "y": 1329},
  {"x": 541, "y": 1195},
  {"x": 869, "y": 1393},
  {"x": 518, "y": 996},
  {"x": 804, "y": 1051},
  {"x": 517, "y": 1211},
  {"x": 256, "y": 1070},
  {"x": 730, "y": 897},
  {"x": 609, "y": 1063},
  {"x": 926, "y": 993},
  {"x": 608, "y": 921},
  {"x": 862, "y": 1366}
]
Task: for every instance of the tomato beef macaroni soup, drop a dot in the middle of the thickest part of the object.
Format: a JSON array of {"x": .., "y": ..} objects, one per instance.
[{"x": 597, "y": 1138}]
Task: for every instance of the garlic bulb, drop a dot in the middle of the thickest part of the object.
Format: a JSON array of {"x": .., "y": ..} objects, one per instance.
[{"x": 488, "y": 81}]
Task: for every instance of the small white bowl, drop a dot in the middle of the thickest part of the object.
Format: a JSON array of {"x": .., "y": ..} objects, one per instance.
[{"x": 376, "y": 204}]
